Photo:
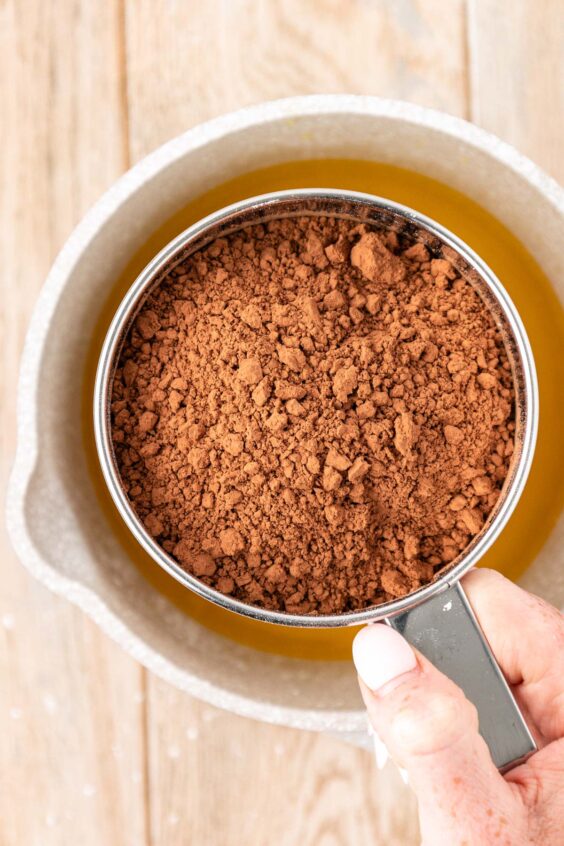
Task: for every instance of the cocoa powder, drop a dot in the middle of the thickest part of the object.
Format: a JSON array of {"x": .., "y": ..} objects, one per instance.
[{"x": 312, "y": 416}]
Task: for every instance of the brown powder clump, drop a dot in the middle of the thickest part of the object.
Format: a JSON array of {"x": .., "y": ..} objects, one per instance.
[{"x": 312, "y": 416}]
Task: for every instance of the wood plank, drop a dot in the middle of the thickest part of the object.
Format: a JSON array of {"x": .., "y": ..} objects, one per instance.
[
  {"x": 187, "y": 62},
  {"x": 216, "y": 778},
  {"x": 72, "y": 754},
  {"x": 220, "y": 780},
  {"x": 517, "y": 75}
]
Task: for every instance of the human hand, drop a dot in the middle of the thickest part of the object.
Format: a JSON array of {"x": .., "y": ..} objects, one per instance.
[{"x": 431, "y": 729}]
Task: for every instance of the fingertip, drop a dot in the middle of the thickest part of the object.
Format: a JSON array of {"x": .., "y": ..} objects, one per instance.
[
  {"x": 381, "y": 655},
  {"x": 480, "y": 576}
]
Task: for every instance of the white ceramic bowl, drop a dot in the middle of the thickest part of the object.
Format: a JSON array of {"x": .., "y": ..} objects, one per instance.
[{"x": 54, "y": 517}]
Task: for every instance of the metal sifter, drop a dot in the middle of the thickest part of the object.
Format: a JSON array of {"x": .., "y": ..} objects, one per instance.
[{"x": 437, "y": 618}]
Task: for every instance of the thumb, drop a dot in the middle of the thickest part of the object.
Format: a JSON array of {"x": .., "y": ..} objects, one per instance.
[{"x": 431, "y": 730}]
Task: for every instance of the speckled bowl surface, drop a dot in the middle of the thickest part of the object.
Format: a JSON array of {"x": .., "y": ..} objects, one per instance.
[{"x": 54, "y": 517}]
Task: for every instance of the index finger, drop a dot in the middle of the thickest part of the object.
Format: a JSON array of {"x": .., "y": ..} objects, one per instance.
[{"x": 526, "y": 635}]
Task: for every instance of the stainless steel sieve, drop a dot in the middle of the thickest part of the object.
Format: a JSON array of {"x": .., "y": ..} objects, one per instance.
[{"x": 437, "y": 618}]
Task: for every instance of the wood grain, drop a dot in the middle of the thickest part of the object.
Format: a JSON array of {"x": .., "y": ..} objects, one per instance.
[
  {"x": 219, "y": 779},
  {"x": 517, "y": 75},
  {"x": 187, "y": 62},
  {"x": 215, "y": 778},
  {"x": 88, "y": 756},
  {"x": 72, "y": 751}
]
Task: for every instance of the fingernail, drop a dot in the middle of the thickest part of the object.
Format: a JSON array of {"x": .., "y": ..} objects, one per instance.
[
  {"x": 381, "y": 655},
  {"x": 381, "y": 753},
  {"x": 403, "y": 775}
]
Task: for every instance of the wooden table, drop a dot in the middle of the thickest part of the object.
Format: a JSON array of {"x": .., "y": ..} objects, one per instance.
[{"x": 94, "y": 749}]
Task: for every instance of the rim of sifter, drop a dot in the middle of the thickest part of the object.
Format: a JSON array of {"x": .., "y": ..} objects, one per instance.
[{"x": 245, "y": 213}]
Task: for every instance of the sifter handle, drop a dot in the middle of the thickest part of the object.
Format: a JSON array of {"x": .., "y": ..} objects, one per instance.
[{"x": 445, "y": 630}]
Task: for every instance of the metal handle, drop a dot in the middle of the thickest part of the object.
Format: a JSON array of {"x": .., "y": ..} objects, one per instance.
[{"x": 445, "y": 630}]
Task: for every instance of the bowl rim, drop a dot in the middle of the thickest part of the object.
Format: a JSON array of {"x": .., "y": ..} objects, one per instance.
[{"x": 69, "y": 257}]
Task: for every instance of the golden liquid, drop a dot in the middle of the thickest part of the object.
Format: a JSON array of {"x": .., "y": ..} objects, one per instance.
[{"x": 533, "y": 296}]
